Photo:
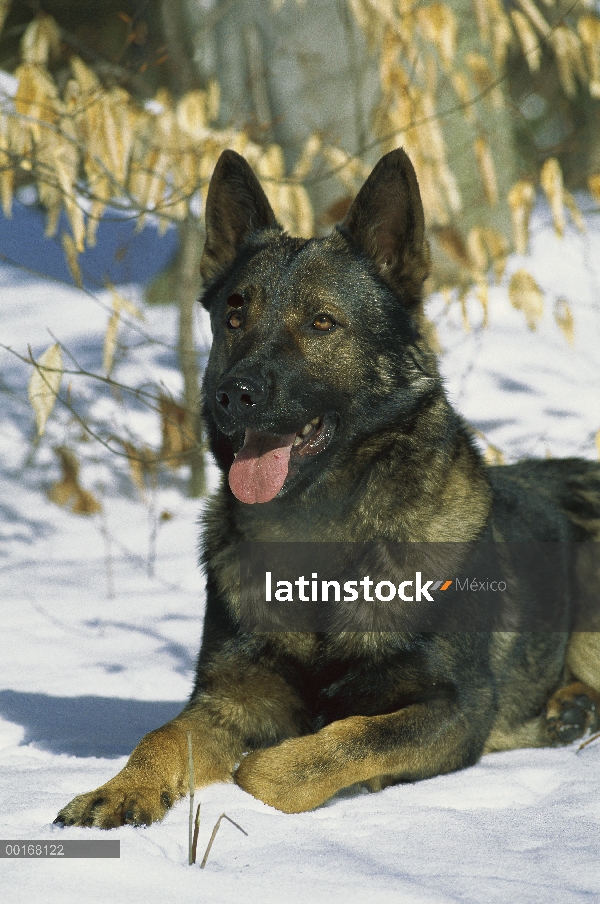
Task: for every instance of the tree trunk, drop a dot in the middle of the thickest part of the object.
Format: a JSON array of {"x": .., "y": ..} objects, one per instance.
[{"x": 187, "y": 289}]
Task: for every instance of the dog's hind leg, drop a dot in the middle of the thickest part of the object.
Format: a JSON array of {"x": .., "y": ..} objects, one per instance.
[{"x": 572, "y": 711}]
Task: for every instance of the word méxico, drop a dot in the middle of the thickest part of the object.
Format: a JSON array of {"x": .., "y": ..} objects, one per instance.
[{"x": 385, "y": 591}]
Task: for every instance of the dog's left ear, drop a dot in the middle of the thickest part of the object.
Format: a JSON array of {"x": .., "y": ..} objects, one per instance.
[
  {"x": 386, "y": 221},
  {"x": 236, "y": 205}
]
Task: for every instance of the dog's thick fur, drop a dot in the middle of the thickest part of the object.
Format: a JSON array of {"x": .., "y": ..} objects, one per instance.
[{"x": 327, "y": 335}]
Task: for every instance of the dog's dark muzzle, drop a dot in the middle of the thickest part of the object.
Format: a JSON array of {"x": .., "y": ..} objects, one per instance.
[{"x": 237, "y": 397}]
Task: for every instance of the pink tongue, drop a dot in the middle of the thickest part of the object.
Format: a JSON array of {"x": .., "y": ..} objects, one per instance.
[{"x": 261, "y": 466}]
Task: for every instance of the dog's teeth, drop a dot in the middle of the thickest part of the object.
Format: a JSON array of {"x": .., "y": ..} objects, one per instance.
[
  {"x": 315, "y": 421},
  {"x": 306, "y": 429},
  {"x": 297, "y": 441}
]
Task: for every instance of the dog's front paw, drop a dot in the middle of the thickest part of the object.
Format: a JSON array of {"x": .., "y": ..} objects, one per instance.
[
  {"x": 116, "y": 804},
  {"x": 292, "y": 777}
]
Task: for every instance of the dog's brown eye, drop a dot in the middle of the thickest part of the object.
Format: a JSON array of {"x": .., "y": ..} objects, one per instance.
[
  {"x": 236, "y": 300},
  {"x": 235, "y": 320},
  {"x": 323, "y": 322}
]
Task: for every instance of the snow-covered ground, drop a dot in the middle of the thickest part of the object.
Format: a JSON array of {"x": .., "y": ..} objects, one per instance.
[{"x": 97, "y": 650}]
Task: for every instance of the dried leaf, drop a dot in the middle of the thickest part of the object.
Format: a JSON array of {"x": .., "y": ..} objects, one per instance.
[
  {"x": 120, "y": 305},
  {"x": 552, "y": 183},
  {"x": 574, "y": 210},
  {"x": 462, "y": 298},
  {"x": 110, "y": 342},
  {"x": 528, "y": 40},
  {"x": 482, "y": 293},
  {"x": 7, "y": 172},
  {"x": 564, "y": 318},
  {"x": 483, "y": 20},
  {"x": 87, "y": 80},
  {"x": 502, "y": 37},
  {"x": 44, "y": 385},
  {"x": 311, "y": 148},
  {"x": 497, "y": 247},
  {"x": 213, "y": 100},
  {"x": 477, "y": 250},
  {"x": 142, "y": 462},
  {"x": 568, "y": 50},
  {"x": 303, "y": 211},
  {"x": 484, "y": 78},
  {"x": 36, "y": 98},
  {"x": 453, "y": 245},
  {"x": 485, "y": 162},
  {"x": 520, "y": 200},
  {"x": 72, "y": 259},
  {"x": 438, "y": 25},
  {"x": 463, "y": 90},
  {"x": 525, "y": 295},
  {"x": 68, "y": 489},
  {"x": 85, "y": 503},
  {"x": 529, "y": 7},
  {"x": 41, "y": 40},
  {"x": 594, "y": 186},
  {"x": 493, "y": 455},
  {"x": 124, "y": 306},
  {"x": 589, "y": 31},
  {"x": 192, "y": 113},
  {"x": 177, "y": 432}
]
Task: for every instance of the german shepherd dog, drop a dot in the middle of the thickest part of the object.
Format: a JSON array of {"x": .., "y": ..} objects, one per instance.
[{"x": 328, "y": 418}]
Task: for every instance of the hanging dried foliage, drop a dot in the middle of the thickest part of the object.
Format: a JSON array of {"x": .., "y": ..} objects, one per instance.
[
  {"x": 68, "y": 491},
  {"x": 44, "y": 385},
  {"x": 525, "y": 295}
]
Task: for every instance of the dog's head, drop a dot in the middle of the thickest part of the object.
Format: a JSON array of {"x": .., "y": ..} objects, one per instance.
[{"x": 316, "y": 341}]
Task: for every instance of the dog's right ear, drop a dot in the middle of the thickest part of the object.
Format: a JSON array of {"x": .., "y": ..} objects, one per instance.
[{"x": 236, "y": 206}]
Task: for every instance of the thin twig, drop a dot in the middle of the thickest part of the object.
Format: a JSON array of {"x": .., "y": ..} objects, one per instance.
[{"x": 214, "y": 833}]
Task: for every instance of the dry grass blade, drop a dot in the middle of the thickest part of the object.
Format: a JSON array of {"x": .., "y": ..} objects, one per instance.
[
  {"x": 593, "y": 738},
  {"x": 598, "y": 443},
  {"x": 214, "y": 834},
  {"x": 196, "y": 830},
  {"x": 192, "y": 786},
  {"x": 44, "y": 385}
]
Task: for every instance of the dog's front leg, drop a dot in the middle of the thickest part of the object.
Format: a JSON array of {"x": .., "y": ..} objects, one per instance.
[
  {"x": 157, "y": 773},
  {"x": 416, "y": 742},
  {"x": 238, "y": 705}
]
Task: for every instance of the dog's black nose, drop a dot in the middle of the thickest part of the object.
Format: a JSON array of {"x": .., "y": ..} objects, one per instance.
[{"x": 238, "y": 394}]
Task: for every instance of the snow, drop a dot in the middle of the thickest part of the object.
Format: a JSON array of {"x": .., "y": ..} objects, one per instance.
[{"x": 102, "y": 622}]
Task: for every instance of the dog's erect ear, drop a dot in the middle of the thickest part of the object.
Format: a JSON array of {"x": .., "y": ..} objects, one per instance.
[
  {"x": 236, "y": 206},
  {"x": 386, "y": 220}
]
